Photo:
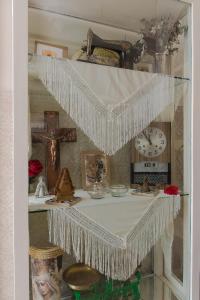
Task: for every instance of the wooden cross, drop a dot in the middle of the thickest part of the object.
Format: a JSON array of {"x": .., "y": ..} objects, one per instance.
[{"x": 52, "y": 135}]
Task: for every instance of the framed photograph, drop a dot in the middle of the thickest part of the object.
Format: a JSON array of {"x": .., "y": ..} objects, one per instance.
[
  {"x": 144, "y": 67},
  {"x": 95, "y": 167},
  {"x": 46, "y": 49}
]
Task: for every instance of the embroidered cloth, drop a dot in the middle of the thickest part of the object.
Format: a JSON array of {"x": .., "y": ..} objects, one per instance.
[
  {"x": 111, "y": 105},
  {"x": 112, "y": 235}
]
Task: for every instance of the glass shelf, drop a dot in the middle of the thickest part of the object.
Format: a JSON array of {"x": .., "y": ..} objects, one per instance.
[
  {"x": 37, "y": 211},
  {"x": 32, "y": 72},
  {"x": 183, "y": 194},
  {"x": 40, "y": 207}
]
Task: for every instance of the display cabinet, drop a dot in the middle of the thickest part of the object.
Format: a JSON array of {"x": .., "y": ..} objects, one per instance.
[{"x": 134, "y": 102}]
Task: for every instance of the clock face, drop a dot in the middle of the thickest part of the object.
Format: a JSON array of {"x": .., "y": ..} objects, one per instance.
[{"x": 151, "y": 142}]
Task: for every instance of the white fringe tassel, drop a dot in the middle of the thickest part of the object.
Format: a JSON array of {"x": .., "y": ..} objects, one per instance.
[
  {"x": 71, "y": 233},
  {"x": 109, "y": 128}
]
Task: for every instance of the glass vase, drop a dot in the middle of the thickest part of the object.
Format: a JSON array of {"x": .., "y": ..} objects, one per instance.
[{"x": 163, "y": 63}]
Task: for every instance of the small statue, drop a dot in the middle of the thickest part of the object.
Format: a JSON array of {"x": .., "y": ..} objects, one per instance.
[
  {"x": 41, "y": 189},
  {"x": 64, "y": 188},
  {"x": 145, "y": 187}
]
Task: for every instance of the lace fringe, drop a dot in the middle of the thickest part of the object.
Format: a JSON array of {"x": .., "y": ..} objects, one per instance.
[
  {"x": 112, "y": 127},
  {"x": 90, "y": 247}
]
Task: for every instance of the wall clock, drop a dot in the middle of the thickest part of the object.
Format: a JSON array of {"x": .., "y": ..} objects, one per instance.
[
  {"x": 151, "y": 142},
  {"x": 151, "y": 155}
]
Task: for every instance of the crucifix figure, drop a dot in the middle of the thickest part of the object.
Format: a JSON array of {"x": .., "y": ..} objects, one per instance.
[
  {"x": 53, "y": 141},
  {"x": 52, "y": 135}
]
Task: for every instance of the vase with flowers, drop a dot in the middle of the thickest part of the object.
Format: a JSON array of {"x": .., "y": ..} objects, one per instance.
[
  {"x": 161, "y": 39},
  {"x": 34, "y": 169}
]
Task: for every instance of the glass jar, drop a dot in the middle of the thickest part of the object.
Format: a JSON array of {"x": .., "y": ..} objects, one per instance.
[{"x": 97, "y": 191}]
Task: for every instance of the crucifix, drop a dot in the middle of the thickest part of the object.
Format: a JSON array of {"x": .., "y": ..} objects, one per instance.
[{"x": 52, "y": 136}]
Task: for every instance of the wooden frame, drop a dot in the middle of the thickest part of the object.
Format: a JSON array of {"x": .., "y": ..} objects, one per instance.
[
  {"x": 18, "y": 212},
  {"x": 47, "y": 49},
  {"x": 89, "y": 168},
  {"x": 185, "y": 289}
]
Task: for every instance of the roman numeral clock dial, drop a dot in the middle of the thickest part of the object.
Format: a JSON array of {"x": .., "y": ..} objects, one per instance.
[{"x": 151, "y": 142}]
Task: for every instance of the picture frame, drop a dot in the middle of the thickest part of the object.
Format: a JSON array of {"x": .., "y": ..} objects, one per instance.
[
  {"x": 48, "y": 49},
  {"x": 95, "y": 167},
  {"x": 144, "y": 67}
]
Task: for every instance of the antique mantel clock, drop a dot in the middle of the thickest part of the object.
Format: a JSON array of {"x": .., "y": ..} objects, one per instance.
[
  {"x": 151, "y": 155},
  {"x": 151, "y": 142}
]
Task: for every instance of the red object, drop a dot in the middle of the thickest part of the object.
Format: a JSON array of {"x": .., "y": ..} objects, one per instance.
[
  {"x": 171, "y": 190},
  {"x": 34, "y": 167}
]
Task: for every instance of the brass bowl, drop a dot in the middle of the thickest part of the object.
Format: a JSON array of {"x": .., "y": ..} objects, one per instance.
[{"x": 81, "y": 277}]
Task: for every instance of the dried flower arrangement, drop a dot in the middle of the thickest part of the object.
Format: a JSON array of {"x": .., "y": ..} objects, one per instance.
[{"x": 161, "y": 35}]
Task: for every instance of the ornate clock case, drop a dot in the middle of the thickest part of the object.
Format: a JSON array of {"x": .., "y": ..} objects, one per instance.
[
  {"x": 151, "y": 142},
  {"x": 151, "y": 155}
]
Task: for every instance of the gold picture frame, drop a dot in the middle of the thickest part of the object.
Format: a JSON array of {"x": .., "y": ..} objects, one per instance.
[
  {"x": 47, "y": 49},
  {"x": 95, "y": 166}
]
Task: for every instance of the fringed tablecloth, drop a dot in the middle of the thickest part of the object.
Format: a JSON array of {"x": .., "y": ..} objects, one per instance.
[
  {"x": 113, "y": 235},
  {"x": 110, "y": 105}
]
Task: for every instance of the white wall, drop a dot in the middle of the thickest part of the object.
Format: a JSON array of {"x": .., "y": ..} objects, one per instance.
[
  {"x": 6, "y": 155},
  {"x": 20, "y": 131},
  {"x": 195, "y": 209},
  {"x": 13, "y": 151}
]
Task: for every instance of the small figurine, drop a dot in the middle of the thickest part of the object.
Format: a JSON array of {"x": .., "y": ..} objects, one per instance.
[
  {"x": 41, "y": 189},
  {"x": 145, "y": 187},
  {"x": 53, "y": 142},
  {"x": 64, "y": 188}
]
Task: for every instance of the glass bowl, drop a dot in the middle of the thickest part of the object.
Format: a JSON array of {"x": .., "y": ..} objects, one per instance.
[
  {"x": 119, "y": 190},
  {"x": 97, "y": 191}
]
